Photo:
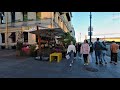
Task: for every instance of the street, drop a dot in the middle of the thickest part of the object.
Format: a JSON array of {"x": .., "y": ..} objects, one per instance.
[{"x": 12, "y": 67}]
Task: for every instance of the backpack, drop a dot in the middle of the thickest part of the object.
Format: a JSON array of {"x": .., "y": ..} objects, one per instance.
[
  {"x": 98, "y": 46},
  {"x": 105, "y": 46}
]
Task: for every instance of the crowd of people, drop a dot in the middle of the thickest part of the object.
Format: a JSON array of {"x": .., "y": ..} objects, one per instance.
[{"x": 85, "y": 50}]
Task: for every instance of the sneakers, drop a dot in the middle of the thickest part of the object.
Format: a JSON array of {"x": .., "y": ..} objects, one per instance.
[
  {"x": 85, "y": 63},
  {"x": 96, "y": 63},
  {"x": 110, "y": 61},
  {"x": 105, "y": 62},
  {"x": 100, "y": 62},
  {"x": 115, "y": 63},
  {"x": 70, "y": 65}
]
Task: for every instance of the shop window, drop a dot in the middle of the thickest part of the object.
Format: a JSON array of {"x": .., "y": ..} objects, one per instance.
[
  {"x": 13, "y": 37},
  {"x": 3, "y": 37},
  {"x": 25, "y": 34}
]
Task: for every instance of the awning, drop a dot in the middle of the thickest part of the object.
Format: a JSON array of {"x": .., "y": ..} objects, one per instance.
[{"x": 48, "y": 32}]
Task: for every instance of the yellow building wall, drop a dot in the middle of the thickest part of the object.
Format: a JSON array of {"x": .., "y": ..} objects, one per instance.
[
  {"x": 46, "y": 14},
  {"x": 38, "y": 15}
]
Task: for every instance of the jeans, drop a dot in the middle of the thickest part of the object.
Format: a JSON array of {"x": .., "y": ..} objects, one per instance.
[
  {"x": 114, "y": 57},
  {"x": 85, "y": 57},
  {"x": 98, "y": 55}
]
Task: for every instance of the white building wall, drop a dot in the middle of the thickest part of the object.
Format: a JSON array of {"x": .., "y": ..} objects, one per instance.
[
  {"x": 31, "y": 15},
  {"x": 19, "y": 16}
]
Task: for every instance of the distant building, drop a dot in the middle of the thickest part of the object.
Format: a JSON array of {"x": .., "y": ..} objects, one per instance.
[{"x": 109, "y": 39}]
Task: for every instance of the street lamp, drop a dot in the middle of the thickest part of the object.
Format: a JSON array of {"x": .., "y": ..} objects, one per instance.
[{"x": 90, "y": 26}]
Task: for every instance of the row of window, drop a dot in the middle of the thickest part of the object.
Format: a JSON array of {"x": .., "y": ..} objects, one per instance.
[
  {"x": 13, "y": 37},
  {"x": 25, "y": 17}
]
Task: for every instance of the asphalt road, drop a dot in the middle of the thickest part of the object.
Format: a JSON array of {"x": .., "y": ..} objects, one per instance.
[{"x": 12, "y": 67}]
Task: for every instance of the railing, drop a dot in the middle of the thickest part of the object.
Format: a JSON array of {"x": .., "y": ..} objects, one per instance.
[{"x": 18, "y": 23}]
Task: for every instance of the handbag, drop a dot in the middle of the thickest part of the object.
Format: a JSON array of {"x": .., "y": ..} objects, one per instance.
[
  {"x": 67, "y": 56},
  {"x": 89, "y": 58}
]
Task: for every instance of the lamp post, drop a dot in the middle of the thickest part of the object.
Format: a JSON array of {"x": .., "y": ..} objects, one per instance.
[
  {"x": 6, "y": 30},
  {"x": 39, "y": 42},
  {"x": 90, "y": 26}
]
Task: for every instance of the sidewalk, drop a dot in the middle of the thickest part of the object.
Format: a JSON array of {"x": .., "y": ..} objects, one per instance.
[{"x": 30, "y": 68}]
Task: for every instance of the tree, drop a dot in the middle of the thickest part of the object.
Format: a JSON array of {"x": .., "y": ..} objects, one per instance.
[{"x": 67, "y": 38}]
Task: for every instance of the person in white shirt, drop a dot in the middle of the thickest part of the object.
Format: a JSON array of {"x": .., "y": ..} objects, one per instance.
[{"x": 71, "y": 50}]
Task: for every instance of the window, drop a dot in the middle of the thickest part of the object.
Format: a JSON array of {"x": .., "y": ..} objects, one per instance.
[
  {"x": 36, "y": 38},
  {"x": 25, "y": 34},
  {"x": 2, "y": 18},
  {"x": 3, "y": 37},
  {"x": 38, "y": 15},
  {"x": 13, "y": 37},
  {"x": 12, "y": 16},
  {"x": 25, "y": 18}
]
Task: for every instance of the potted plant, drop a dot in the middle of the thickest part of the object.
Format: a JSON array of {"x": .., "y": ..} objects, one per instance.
[{"x": 19, "y": 48}]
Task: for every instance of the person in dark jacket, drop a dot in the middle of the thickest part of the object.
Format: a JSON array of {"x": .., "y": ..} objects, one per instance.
[
  {"x": 79, "y": 54},
  {"x": 91, "y": 49},
  {"x": 98, "y": 47}
]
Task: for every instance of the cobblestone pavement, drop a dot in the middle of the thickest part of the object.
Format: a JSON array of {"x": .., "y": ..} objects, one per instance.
[{"x": 27, "y": 67}]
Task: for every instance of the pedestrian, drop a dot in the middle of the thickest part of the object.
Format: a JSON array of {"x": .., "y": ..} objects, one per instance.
[
  {"x": 104, "y": 52},
  {"x": 79, "y": 54},
  {"x": 85, "y": 50},
  {"x": 75, "y": 53},
  {"x": 91, "y": 50},
  {"x": 98, "y": 47},
  {"x": 114, "y": 50},
  {"x": 71, "y": 50}
]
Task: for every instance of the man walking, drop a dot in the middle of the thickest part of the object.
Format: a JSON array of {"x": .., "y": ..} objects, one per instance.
[
  {"x": 98, "y": 47},
  {"x": 114, "y": 50}
]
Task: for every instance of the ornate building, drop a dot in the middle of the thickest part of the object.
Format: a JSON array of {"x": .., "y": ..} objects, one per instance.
[{"x": 14, "y": 25}]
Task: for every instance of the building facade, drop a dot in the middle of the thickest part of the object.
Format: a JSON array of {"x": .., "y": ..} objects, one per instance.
[{"x": 14, "y": 25}]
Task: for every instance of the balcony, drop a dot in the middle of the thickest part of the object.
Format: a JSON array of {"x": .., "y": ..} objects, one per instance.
[{"x": 42, "y": 22}]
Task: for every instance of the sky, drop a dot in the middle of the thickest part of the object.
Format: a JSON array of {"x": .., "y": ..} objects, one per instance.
[{"x": 105, "y": 24}]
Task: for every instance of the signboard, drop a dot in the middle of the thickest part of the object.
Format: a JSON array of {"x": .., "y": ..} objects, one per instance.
[
  {"x": 89, "y": 33},
  {"x": 91, "y": 29}
]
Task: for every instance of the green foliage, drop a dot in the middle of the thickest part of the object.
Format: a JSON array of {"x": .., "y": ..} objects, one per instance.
[
  {"x": 19, "y": 46},
  {"x": 67, "y": 38},
  {"x": 32, "y": 50}
]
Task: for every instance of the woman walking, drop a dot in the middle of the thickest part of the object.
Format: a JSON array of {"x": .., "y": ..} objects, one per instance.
[
  {"x": 85, "y": 50},
  {"x": 71, "y": 50},
  {"x": 104, "y": 53}
]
